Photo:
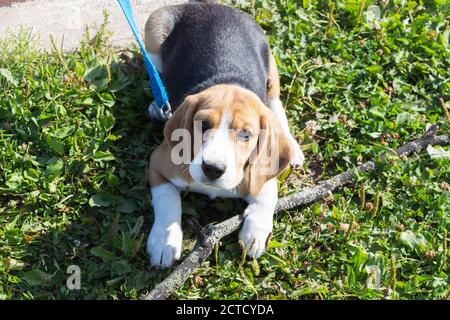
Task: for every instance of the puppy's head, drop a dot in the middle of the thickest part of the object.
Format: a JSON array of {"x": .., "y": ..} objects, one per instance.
[{"x": 227, "y": 137}]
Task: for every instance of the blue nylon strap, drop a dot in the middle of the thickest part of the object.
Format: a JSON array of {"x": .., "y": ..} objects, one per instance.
[{"x": 159, "y": 93}]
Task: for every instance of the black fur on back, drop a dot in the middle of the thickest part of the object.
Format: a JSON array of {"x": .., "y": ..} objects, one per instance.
[{"x": 214, "y": 44}]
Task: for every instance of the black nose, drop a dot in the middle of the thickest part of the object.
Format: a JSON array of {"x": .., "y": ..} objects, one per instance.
[{"x": 213, "y": 171}]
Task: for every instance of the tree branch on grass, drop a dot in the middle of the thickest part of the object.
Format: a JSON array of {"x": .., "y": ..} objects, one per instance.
[{"x": 213, "y": 234}]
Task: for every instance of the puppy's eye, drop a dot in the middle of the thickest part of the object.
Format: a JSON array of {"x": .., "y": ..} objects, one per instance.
[
  {"x": 244, "y": 135},
  {"x": 205, "y": 126}
]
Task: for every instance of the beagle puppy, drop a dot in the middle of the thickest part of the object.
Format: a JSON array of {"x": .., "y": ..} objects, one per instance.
[{"x": 229, "y": 135}]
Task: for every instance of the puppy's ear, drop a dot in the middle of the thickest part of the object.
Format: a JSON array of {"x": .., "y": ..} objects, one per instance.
[
  {"x": 182, "y": 118},
  {"x": 272, "y": 154}
]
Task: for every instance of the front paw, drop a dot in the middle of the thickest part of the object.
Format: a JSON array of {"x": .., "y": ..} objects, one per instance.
[
  {"x": 164, "y": 245},
  {"x": 255, "y": 235}
]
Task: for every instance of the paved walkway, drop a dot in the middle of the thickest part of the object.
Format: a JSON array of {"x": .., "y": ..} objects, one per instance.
[{"x": 68, "y": 17}]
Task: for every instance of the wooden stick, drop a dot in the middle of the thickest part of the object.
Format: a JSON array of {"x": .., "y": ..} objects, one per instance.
[{"x": 213, "y": 234}]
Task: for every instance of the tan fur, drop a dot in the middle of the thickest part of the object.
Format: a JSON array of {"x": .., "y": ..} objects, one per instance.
[
  {"x": 162, "y": 169},
  {"x": 255, "y": 174},
  {"x": 273, "y": 80},
  {"x": 248, "y": 112}
]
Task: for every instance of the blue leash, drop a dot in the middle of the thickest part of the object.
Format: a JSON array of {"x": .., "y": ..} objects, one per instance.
[{"x": 161, "y": 102}]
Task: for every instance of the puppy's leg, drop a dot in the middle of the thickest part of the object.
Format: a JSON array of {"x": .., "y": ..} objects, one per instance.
[
  {"x": 165, "y": 240},
  {"x": 274, "y": 103},
  {"x": 258, "y": 217}
]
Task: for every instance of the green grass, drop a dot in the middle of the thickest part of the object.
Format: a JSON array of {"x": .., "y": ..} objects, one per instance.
[{"x": 75, "y": 141}]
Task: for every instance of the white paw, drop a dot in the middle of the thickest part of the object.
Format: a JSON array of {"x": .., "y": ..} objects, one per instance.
[
  {"x": 164, "y": 245},
  {"x": 256, "y": 230},
  {"x": 299, "y": 158}
]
